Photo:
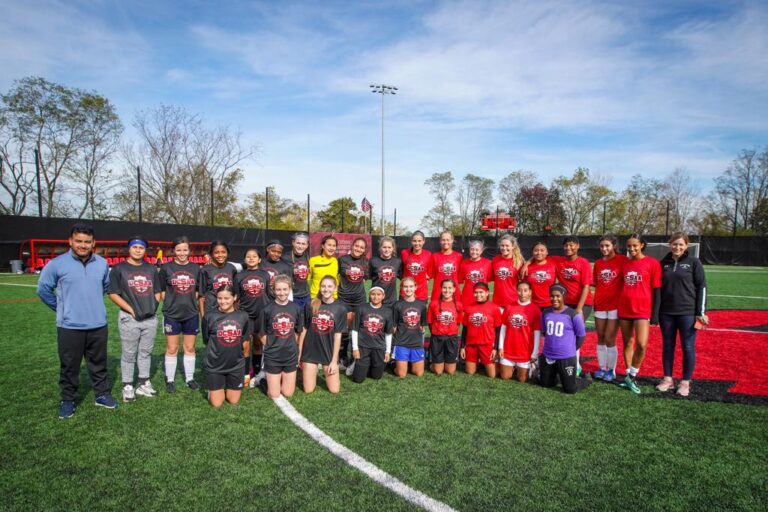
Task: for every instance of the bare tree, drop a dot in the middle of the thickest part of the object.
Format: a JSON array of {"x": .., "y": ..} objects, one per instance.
[
  {"x": 683, "y": 198},
  {"x": 179, "y": 156},
  {"x": 745, "y": 181},
  {"x": 474, "y": 195},
  {"x": 16, "y": 172},
  {"x": 511, "y": 185},
  {"x": 639, "y": 207},
  {"x": 581, "y": 194},
  {"x": 439, "y": 217}
]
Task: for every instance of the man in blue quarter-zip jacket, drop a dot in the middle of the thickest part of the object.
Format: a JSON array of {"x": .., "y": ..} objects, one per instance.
[{"x": 73, "y": 285}]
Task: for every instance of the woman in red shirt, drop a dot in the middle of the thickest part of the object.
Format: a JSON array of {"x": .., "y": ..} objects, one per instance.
[
  {"x": 607, "y": 276},
  {"x": 444, "y": 317},
  {"x": 506, "y": 266},
  {"x": 482, "y": 321},
  {"x": 416, "y": 263},
  {"x": 474, "y": 270},
  {"x": 444, "y": 264},
  {"x": 638, "y": 306},
  {"x": 541, "y": 274}
]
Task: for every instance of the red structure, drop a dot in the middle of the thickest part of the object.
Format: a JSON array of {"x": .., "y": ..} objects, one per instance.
[{"x": 502, "y": 221}]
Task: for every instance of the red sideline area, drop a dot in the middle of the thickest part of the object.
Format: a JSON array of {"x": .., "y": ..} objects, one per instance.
[{"x": 720, "y": 355}]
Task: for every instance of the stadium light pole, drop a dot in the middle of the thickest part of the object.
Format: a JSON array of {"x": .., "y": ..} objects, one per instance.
[{"x": 382, "y": 89}]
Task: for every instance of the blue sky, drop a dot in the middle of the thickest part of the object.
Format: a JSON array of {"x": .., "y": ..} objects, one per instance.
[{"x": 486, "y": 87}]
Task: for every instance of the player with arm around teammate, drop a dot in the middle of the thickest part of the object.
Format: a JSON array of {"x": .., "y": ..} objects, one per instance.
[
  {"x": 251, "y": 285},
  {"x": 319, "y": 344},
  {"x": 608, "y": 282},
  {"x": 227, "y": 328}
]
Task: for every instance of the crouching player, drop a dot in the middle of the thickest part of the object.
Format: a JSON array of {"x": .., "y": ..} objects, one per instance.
[
  {"x": 226, "y": 330},
  {"x": 519, "y": 335},
  {"x": 371, "y": 337},
  {"x": 564, "y": 333},
  {"x": 482, "y": 322}
]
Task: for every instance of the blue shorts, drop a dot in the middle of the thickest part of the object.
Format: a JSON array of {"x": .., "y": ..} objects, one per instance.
[
  {"x": 189, "y": 326},
  {"x": 411, "y": 355}
]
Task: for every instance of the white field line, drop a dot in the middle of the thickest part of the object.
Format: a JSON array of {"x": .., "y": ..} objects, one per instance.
[
  {"x": 739, "y": 297},
  {"x": 734, "y": 330},
  {"x": 356, "y": 461},
  {"x": 737, "y": 271},
  {"x": 19, "y": 284}
]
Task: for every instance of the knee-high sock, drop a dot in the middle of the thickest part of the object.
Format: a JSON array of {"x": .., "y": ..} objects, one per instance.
[
  {"x": 612, "y": 355},
  {"x": 170, "y": 368},
  {"x": 189, "y": 367},
  {"x": 602, "y": 352}
]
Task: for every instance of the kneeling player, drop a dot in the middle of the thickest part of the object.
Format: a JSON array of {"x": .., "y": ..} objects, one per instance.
[
  {"x": 482, "y": 322},
  {"x": 371, "y": 337},
  {"x": 519, "y": 335}
]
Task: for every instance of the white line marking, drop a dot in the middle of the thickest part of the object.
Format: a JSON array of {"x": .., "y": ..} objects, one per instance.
[
  {"x": 739, "y": 297},
  {"x": 374, "y": 473},
  {"x": 18, "y": 284},
  {"x": 735, "y": 330}
]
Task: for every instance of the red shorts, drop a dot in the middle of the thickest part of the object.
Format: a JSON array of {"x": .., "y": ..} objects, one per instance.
[{"x": 479, "y": 352}]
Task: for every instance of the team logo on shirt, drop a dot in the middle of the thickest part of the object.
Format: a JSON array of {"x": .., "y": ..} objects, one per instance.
[
  {"x": 445, "y": 318},
  {"x": 476, "y": 276},
  {"x": 477, "y": 319},
  {"x": 503, "y": 273},
  {"x": 229, "y": 333},
  {"x": 220, "y": 280},
  {"x": 283, "y": 324},
  {"x": 415, "y": 268},
  {"x": 541, "y": 276},
  {"x": 411, "y": 317},
  {"x": 140, "y": 284},
  {"x": 253, "y": 286},
  {"x": 300, "y": 271},
  {"x": 373, "y": 324},
  {"x": 518, "y": 321},
  {"x": 387, "y": 274},
  {"x": 323, "y": 322},
  {"x": 631, "y": 278},
  {"x": 355, "y": 273},
  {"x": 272, "y": 274},
  {"x": 183, "y": 283},
  {"x": 607, "y": 275},
  {"x": 447, "y": 269},
  {"x": 570, "y": 273}
]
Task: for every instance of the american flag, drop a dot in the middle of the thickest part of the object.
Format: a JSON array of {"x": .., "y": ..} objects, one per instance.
[{"x": 365, "y": 205}]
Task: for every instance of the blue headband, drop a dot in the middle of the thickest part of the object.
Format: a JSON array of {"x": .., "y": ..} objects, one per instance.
[{"x": 137, "y": 241}]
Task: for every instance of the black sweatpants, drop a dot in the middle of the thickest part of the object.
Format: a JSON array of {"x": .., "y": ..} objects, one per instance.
[
  {"x": 371, "y": 363},
  {"x": 565, "y": 369},
  {"x": 73, "y": 345}
]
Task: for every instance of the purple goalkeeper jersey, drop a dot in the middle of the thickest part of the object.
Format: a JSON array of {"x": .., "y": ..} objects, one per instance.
[{"x": 560, "y": 332}]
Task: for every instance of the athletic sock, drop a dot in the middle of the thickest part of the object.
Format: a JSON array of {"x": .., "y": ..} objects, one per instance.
[
  {"x": 170, "y": 368},
  {"x": 601, "y": 356},
  {"x": 189, "y": 368},
  {"x": 612, "y": 355},
  {"x": 632, "y": 371}
]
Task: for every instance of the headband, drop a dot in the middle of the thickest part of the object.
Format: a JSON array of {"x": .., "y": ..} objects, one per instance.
[
  {"x": 558, "y": 288},
  {"x": 376, "y": 288},
  {"x": 274, "y": 243},
  {"x": 137, "y": 241},
  {"x": 480, "y": 284}
]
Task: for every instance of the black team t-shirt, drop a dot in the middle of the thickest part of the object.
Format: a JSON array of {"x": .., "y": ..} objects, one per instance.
[
  {"x": 137, "y": 285},
  {"x": 384, "y": 273},
  {"x": 352, "y": 275},
  {"x": 211, "y": 278},
  {"x": 179, "y": 282},
  {"x": 410, "y": 317},
  {"x": 300, "y": 266},
  {"x": 274, "y": 269},
  {"x": 281, "y": 323},
  {"x": 372, "y": 324},
  {"x": 321, "y": 326},
  {"x": 251, "y": 286},
  {"x": 225, "y": 334}
]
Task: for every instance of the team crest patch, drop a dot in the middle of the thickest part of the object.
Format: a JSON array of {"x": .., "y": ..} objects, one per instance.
[
  {"x": 607, "y": 276},
  {"x": 477, "y": 319},
  {"x": 183, "y": 283},
  {"x": 445, "y": 318},
  {"x": 541, "y": 276},
  {"x": 374, "y": 324},
  {"x": 387, "y": 274},
  {"x": 570, "y": 273},
  {"x": 632, "y": 278},
  {"x": 220, "y": 280},
  {"x": 415, "y": 268},
  {"x": 282, "y": 325},
  {"x": 447, "y": 269},
  {"x": 355, "y": 273},
  {"x": 253, "y": 286},
  {"x": 323, "y": 322},
  {"x": 517, "y": 320},
  {"x": 140, "y": 284},
  {"x": 411, "y": 317},
  {"x": 503, "y": 273},
  {"x": 229, "y": 333},
  {"x": 300, "y": 271},
  {"x": 476, "y": 276}
]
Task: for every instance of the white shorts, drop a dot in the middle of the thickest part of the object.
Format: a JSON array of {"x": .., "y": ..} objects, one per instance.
[
  {"x": 607, "y": 315},
  {"x": 506, "y": 362}
]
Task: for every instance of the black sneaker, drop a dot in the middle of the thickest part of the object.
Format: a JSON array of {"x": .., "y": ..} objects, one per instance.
[
  {"x": 194, "y": 386},
  {"x": 170, "y": 387}
]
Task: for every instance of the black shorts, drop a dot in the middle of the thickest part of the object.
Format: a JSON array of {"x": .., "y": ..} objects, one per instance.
[
  {"x": 277, "y": 369},
  {"x": 444, "y": 349},
  {"x": 231, "y": 380}
]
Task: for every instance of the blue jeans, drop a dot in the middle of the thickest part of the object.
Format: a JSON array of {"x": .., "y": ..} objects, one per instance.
[{"x": 671, "y": 325}]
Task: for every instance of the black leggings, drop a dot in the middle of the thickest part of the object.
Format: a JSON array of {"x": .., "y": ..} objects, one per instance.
[
  {"x": 671, "y": 325},
  {"x": 563, "y": 368}
]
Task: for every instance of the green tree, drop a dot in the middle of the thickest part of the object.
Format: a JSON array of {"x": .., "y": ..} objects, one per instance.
[
  {"x": 640, "y": 208},
  {"x": 284, "y": 213},
  {"x": 474, "y": 195},
  {"x": 581, "y": 194},
  {"x": 510, "y": 186},
  {"x": 441, "y": 215},
  {"x": 538, "y": 208},
  {"x": 341, "y": 216}
]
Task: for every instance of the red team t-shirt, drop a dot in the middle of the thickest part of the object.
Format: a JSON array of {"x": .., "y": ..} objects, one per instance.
[
  {"x": 574, "y": 275},
  {"x": 504, "y": 280},
  {"x": 471, "y": 272},
  {"x": 481, "y": 321},
  {"x": 640, "y": 278},
  {"x": 541, "y": 277},
  {"x": 520, "y": 322},
  {"x": 417, "y": 266},
  {"x": 444, "y": 317},
  {"x": 608, "y": 280},
  {"x": 444, "y": 266}
]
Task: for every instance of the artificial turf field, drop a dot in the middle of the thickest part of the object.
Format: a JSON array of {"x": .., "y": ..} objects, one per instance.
[{"x": 472, "y": 443}]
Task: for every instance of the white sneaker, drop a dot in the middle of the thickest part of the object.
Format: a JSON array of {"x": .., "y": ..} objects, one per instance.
[
  {"x": 128, "y": 393},
  {"x": 350, "y": 369},
  {"x": 258, "y": 378},
  {"x": 146, "y": 389},
  {"x": 252, "y": 383}
]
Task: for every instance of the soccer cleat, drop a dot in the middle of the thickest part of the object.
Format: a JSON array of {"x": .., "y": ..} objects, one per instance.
[
  {"x": 66, "y": 409},
  {"x": 631, "y": 384},
  {"x": 350, "y": 369},
  {"x": 194, "y": 386},
  {"x": 170, "y": 387},
  {"x": 146, "y": 389},
  {"x": 106, "y": 401},
  {"x": 129, "y": 395},
  {"x": 609, "y": 376},
  {"x": 599, "y": 374}
]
